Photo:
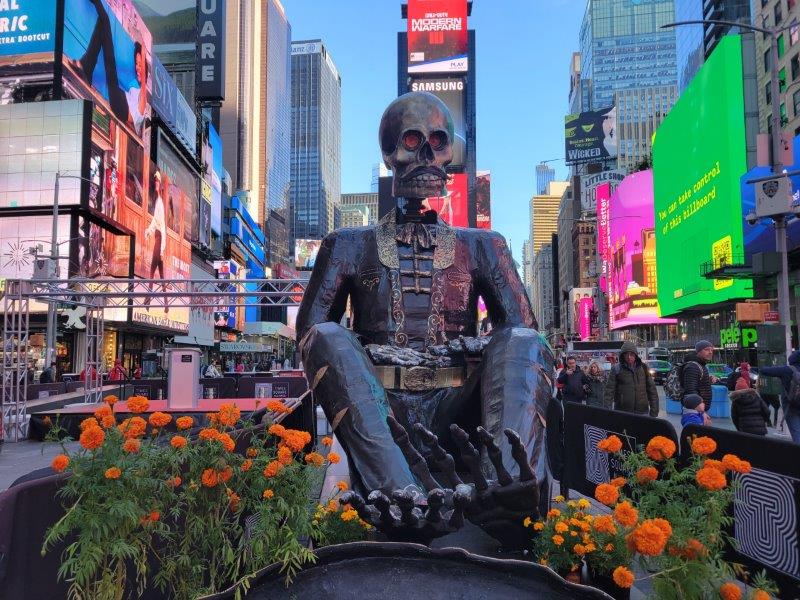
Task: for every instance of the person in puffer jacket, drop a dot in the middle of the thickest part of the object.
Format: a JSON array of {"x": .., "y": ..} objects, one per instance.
[{"x": 749, "y": 412}]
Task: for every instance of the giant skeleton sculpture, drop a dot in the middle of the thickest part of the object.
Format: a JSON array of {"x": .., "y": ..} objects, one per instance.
[{"x": 405, "y": 385}]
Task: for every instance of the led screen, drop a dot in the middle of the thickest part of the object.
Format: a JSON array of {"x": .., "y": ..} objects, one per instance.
[
  {"x": 437, "y": 36},
  {"x": 632, "y": 279},
  {"x": 28, "y": 33},
  {"x": 451, "y": 91},
  {"x": 483, "y": 199},
  {"x": 305, "y": 253},
  {"x": 698, "y": 159},
  {"x": 452, "y": 207}
]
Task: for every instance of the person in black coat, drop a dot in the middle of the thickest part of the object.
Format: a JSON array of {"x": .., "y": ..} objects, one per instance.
[
  {"x": 572, "y": 382},
  {"x": 749, "y": 413}
]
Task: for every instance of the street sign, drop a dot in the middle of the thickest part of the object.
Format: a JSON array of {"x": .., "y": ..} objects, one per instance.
[{"x": 772, "y": 316}]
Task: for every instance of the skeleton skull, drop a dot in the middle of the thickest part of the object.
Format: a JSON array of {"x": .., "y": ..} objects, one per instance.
[{"x": 416, "y": 136}]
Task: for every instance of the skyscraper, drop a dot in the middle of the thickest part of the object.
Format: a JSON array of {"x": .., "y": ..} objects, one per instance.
[
  {"x": 544, "y": 175},
  {"x": 544, "y": 214},
  {"x": 316, "y": 140},
  {"x": 623, "y": 46},
  {"x": 278, "y": 132}
]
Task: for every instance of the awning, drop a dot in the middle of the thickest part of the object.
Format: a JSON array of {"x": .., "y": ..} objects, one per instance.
[{"x": 269, "y": 328}]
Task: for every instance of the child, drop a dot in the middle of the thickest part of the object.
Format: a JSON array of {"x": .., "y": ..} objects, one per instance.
[
  {"x": 749, "y": 413},
  {"x": 694, "y": 410}
]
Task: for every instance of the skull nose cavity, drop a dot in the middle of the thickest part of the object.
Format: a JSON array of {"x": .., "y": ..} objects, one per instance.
[{"x": 426, "y": 152}]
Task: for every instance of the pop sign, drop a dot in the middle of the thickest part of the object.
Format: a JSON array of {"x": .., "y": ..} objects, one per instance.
[{"x": 736, "y": 337}]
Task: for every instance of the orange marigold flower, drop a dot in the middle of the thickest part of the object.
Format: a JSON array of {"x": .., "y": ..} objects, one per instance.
[
  {"x": 207, "y": 433},
  {"x": 730, "y": 591},
  {"x": 623, "y": 577},
  {"x": 111, "y": 399},
  {"x": 92, "y": 438},
  {"x": 131, "y": 446},
  {"x": 553, "y": 512},
  {"x": 315, "y": 458},
  {"x": 174, "y": 481},
  {"x": 333, "y": 458},
  {"x": 102, "y": 412},
  {"x": 703, "y": 445},
  {"x": 579, "y": 549},
  {"x": 272, "y": 469},
  {"x": 609, "y": 547},
  {"x": 267, "y": 494},
  {"x": 618, "y": 482},
  {"x": 295, "y": 439},
  {"x": 113, "y": 473},
  {"x": 736, "y": 464},
  {"x": 209, "y": 478},
  {"x": 694, "y": 549},
  {"x": 246, "y": 465},
  {"x": 648, "y": 538},
  {"x": 277, "y": 429},
  {"x": 184, "y": 422},
  {"x": 625, "y": 514},
  {"x": 342, "y": 485},
  {"x": 108, "y": 421},
  {"x": 611, "y": 444},
  {"x": 606, "y": 493},
  {"x": 134, "y": 427},
  {"x": 226, "y": 441},
  {"x": 60, "y": 463},
  {"x": 233, "y": 500},
  {"x": 663, "y": 525},
  {"x": 710, "y": 479},
  {"x": 226, "y": 474},
  {"x": 229, "y": 414},
  {"x": 138, "y": 404},
  {"x": 213, "y": 419},
  {"x": 333, "y": 506},
  {"x": 178, "y": 442},
  {"x": 557, "y": 540},
  {"x": 327, "y": 441},
  {"x": 155, "y": 516},
  {"x": 252, "y": 452},
  {"x": 277, "y": 406},
  {"x": 561, "y": 527},
  {"x": 604, "y": 524},
  {"x": 646, "y": 474},
  {"x": 47, "y": 421},
  {"x": 660, "y": 448},
  {"x": 710, "y": 463},
  {"x": 159, "y": 419},
  {"x": 760, "y": 595},
  {"x": 284, "y": 455},
  {"x": 89, "y": 422}
]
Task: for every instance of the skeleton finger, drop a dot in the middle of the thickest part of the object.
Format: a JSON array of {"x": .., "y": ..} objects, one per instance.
[
  {"x": 461, "y": 499},
  {"x": 495, "y": 456},
  {"x": 405, "y": 501},
  {"x": 379, "y": 500},
  {"x": 443, "y": 460},
  {"x": 356, "y": 501},
  {"x": 470, "y": 456},
  {"x": 520, "y": 455},
  {"x": 435, "y": 503},
  {"x": 414, "y": 459}
]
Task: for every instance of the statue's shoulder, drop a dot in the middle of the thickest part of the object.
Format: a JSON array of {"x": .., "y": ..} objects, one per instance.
[
  {"x": 477, "y": 236},
  {"x": 348, "y": 235}
]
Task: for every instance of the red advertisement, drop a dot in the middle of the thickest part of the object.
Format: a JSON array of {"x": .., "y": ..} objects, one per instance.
[
  {"x": 437, "y": 36},
  {"x": 483, "y": 199},
  {"x": 452, "y": 207}
]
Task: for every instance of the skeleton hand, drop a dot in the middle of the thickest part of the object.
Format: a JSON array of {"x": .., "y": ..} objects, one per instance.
[
  {"x": 404, "y": 357},
  {"x": 462, "y": 345}
]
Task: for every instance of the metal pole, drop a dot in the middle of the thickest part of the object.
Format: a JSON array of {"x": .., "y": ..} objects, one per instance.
[
  {"x": 50, "y": 342},
  {"x": 780, "y": 220}
]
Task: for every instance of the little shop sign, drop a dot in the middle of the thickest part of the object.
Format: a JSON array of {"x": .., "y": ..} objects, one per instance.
[{"x": 737, "y": 336}]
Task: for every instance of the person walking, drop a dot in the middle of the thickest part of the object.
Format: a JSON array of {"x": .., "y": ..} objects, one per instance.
[
  {"x": 118, "y": 372},
  {"x": 597, "y": 385},
  {"x": 573, "y": 382},
  {"x": 790, "y": 406},
  {"x": 695, "y": 376},
  {"x": 749, "y": 412},
  {"x": 49, "y": 374},
  {"x": 630, "y": 388},
  {"x": 743, "y": 382}
]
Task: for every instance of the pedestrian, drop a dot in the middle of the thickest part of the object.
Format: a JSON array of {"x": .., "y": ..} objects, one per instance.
[
  {"x": 212, "y": 370},
  {"x": 573, "y": 382},
  {"x": 229, "y": 366},
  {"x": 743, "y": 382},
  {"x": 137, "y": 371},
  {"x": 239, "y": 366},
  {"x": 597, "y": 385},
  {"x": 286, "y": 364},
  {"x": 695, "y": 376},
  {"x": 749, "y": 412},
  {"x": 118, "y": 372},
  {"x": 693, "y": 411},
  {"x": 790, "y": 401},
  {"x": 49, "y": 374},
  {"x": 630, "y": 387}
]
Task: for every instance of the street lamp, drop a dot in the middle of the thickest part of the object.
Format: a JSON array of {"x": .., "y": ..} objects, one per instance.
[{"x": 777, "y": 166}]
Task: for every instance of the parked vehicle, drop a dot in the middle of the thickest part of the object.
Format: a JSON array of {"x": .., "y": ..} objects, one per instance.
[
  {"x": 659, "y": 369},
  {"x": 719, "y": 370}
]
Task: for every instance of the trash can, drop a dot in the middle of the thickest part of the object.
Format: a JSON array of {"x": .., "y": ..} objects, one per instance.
[{"x": 720, "y": 402}]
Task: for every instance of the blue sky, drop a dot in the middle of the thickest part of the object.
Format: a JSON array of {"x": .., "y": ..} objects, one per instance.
[{"x": 524, "y": 49}]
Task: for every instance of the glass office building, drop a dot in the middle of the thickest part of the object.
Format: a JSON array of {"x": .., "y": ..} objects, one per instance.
[
  {"x": 316, "y": 141},
  {"x": 278, "y": 133},
  {"x": 623, "y": 47}
]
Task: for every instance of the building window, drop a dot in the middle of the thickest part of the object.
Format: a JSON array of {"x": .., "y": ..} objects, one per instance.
[
  {"x": 795, "y": 64},
  {"x": 781, "y": 46},
  {"x": 782, "y": 79},
  {"x": 767, "y": 60},
  {"x": 768, "y": 93},
  {"x": 778, "y": 12},
  {"x": 794, "y": 34},
  {"x": 796, "y": 103}
]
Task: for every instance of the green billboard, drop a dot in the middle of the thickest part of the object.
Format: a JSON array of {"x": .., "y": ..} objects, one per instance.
[{"x": 699, "y": 155}]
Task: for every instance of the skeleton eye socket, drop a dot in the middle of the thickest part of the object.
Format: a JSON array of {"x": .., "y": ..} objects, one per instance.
[
  {"x": 412, "y": 140},
  {"x": 437, "y": 140}
]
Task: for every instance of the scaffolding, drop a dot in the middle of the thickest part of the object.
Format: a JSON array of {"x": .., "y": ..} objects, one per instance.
[{"x": 97, "y": 295}]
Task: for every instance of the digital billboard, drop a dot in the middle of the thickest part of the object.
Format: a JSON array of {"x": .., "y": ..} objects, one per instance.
[
  {"x": 305, "y": 253},
  {"x": 183, "y": 202},
  {"x": 589, "y": 187},
  {"x": 451, "y": 91},
  {"x": 107, "y": 55},
  {"x": 27, "y": 31},
  {"x": 437, "y": 36},
  {"x": 698, "y": 160},
  {"x": 453, "y": 206},
  {"x": 212, "y": 163},
  {"x": 483, "y": 199},
  {"x": 581, "y": 308},
  {"x": 603, "y": 198},
  {"x": 591, "y": 136},
  {"x": 632, "y": 279}
]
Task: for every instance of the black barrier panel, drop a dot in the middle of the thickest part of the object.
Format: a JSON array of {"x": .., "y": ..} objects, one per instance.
[
  {"x": 585, "y": 466},
  {"x": 766, "y": 512}
]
